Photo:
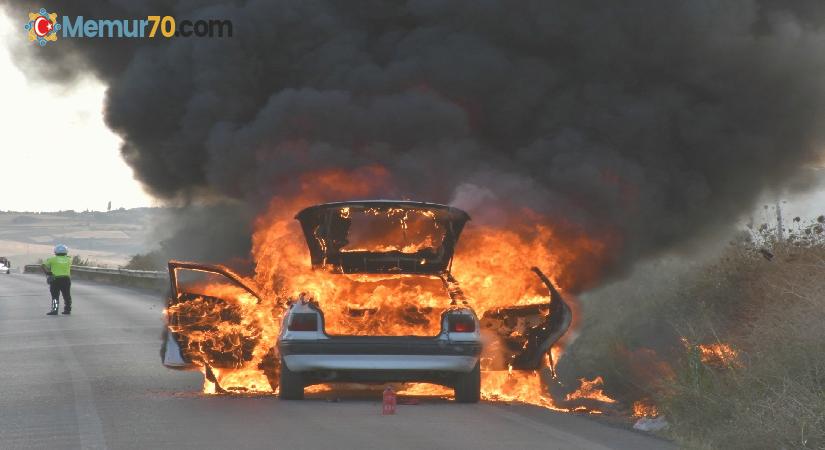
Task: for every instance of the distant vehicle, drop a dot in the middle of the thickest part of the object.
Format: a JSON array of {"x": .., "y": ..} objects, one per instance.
[
  {"x": 403, "y": 246},
  {"x": 5, "y": 265}
]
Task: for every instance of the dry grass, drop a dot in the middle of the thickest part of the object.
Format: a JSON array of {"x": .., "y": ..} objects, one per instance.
[
  {"x": 774, "y": 314},
  {"x": 764, "y": 298}
]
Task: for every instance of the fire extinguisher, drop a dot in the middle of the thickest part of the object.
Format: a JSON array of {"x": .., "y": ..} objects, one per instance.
[{"x": 389, "y": 401}]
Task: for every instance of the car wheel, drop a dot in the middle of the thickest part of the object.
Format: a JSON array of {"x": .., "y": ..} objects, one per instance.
[
  {"x": 291, "y": 384},
  {"x": 468, "y": 386}
]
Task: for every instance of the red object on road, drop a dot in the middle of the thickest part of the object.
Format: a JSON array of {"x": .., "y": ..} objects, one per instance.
[{"x": 389, "y": 401}]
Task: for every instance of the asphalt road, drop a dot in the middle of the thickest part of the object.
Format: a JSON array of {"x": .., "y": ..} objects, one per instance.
[{"x": 94, "y": 380}]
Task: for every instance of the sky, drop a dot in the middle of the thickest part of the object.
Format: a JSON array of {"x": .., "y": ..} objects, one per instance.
[{"x": 62, "y": 158}]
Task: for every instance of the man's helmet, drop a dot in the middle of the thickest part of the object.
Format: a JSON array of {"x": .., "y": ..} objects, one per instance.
[{"x": 61, "y": 250}]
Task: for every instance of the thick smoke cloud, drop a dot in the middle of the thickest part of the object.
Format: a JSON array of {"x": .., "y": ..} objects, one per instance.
[{"x": 655, "y": 119}]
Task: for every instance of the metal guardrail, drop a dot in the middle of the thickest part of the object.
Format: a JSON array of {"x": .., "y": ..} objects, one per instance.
[
  {"x": 32, "y": 268},
  {"x": 154, "y": 274},
  {"x": 124, "y": 277}
]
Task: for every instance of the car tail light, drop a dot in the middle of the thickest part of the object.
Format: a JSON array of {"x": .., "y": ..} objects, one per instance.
[
  {"x": 303, "y": 322},
  {"x": 461, "y": 324}
]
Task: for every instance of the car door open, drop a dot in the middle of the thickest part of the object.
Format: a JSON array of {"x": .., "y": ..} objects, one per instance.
[
  {"x": 525, "y": 333},
  {"x": 207, "y": 317}
]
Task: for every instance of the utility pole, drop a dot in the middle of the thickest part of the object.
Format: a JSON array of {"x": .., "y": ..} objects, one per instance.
[{"x": 779, "y": 234}]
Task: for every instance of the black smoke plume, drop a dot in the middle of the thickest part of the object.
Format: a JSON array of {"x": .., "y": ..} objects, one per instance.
[{"x": 658, "y": 119}]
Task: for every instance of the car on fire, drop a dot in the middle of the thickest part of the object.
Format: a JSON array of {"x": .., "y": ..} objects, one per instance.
[{"x": 370, "y": 250}]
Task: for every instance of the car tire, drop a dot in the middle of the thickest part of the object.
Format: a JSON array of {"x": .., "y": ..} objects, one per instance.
[
  {"x": 468, "y": 386},
  {"x": 291, "y": 384}
]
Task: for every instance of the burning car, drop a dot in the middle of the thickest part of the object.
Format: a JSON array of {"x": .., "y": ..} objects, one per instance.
[{"x": 376, "y": 303}]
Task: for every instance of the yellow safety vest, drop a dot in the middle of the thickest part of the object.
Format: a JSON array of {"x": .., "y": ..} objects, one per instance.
[{"x": 59, "y": 266}]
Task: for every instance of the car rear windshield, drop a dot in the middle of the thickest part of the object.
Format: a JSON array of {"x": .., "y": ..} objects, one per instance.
[{"x": 405, "y": 230}]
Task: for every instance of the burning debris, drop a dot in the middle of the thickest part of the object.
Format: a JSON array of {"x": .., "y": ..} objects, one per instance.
[
  {"x": 645, "y": 408},
  {"x": 651, "y": 424}
]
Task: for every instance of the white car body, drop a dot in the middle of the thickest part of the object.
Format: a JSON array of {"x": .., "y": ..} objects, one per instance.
[{"x": 449, "y": 352}]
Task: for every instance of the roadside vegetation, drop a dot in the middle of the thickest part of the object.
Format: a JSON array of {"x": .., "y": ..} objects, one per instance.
[
  {"x": 731, "y": 350},
  {"x": 78, "y": 260},
  {"x": 153, "y": 260}
]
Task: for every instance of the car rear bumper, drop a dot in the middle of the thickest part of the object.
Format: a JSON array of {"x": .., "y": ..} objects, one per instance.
[
  {"x": 308, "y": 363},
  {"x": 380, "y": 354}
]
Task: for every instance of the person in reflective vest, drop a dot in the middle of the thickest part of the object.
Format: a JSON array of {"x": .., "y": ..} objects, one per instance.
[{"x": 58, "y": 269}]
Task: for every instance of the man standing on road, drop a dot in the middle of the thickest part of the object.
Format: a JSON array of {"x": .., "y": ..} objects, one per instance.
[{"x": 58, "y": 268}]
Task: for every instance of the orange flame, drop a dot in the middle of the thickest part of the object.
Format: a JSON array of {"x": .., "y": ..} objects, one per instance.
[
  {"x": 492, "y": 264},
  {"x": 525, "y": 387},
  {"x": 719, "y": 354},
  {"x": 591, "y": 390},
  {"x": 645, "y": 408}
]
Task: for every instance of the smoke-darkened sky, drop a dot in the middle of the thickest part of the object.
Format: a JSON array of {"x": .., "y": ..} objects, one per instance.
[{"x": 658, "y": 119}]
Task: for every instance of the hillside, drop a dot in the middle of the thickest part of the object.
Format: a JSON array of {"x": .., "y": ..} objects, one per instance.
[{"x": 108, "y": 238}]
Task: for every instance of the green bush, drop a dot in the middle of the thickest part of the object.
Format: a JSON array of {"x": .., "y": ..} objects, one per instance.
[{"x": 146, "y": 261}]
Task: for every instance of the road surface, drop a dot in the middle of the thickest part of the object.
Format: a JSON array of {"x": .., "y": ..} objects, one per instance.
[{"x": 94, "y": 380}]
